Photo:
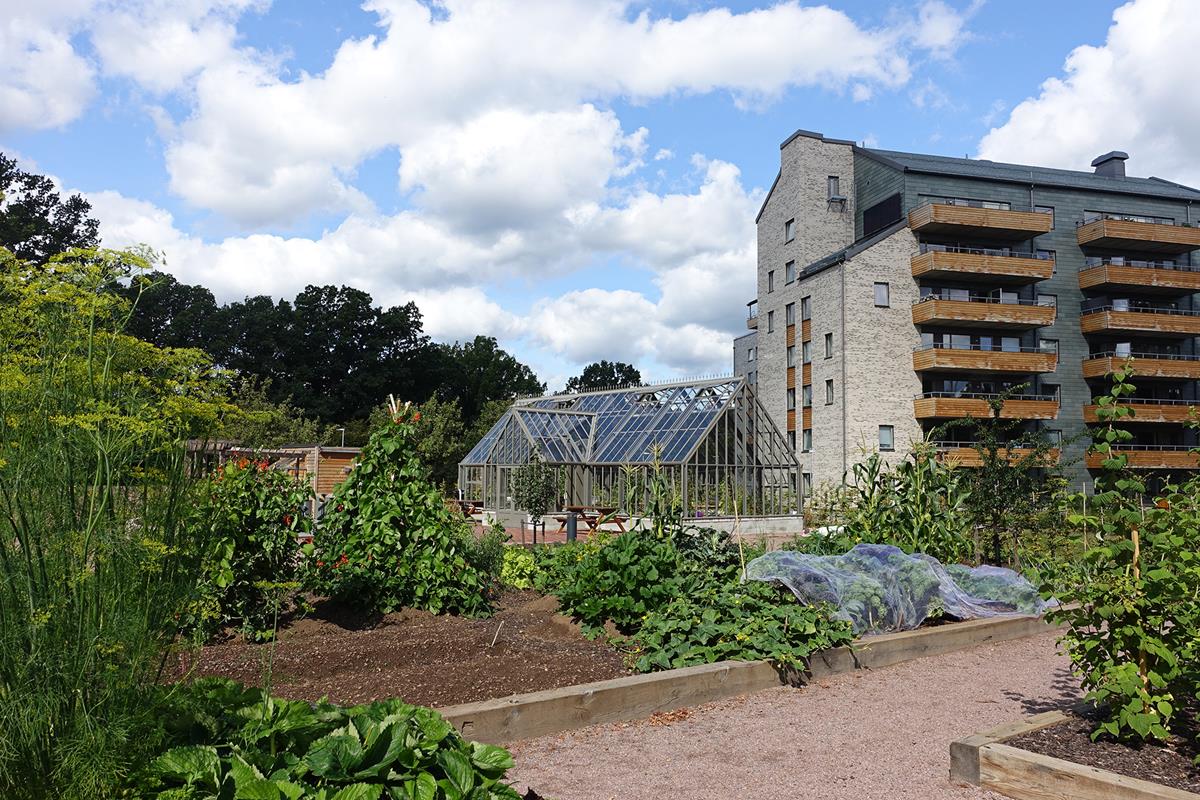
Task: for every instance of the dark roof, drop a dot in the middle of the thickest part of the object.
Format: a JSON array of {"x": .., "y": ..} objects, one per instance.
[
  {"x": 1018, "y": 173},
  {"x": 838, "y": 256}
]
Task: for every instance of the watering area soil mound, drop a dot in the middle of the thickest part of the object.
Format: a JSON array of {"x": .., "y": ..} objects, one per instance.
[
  {"x": 419, "y": 657},
  {"x": 1169, "y": 764}
]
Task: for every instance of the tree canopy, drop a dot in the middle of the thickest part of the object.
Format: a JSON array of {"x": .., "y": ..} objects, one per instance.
[
  {"x": 604, "y": 375},
  {"x": 35, "y": 221}
]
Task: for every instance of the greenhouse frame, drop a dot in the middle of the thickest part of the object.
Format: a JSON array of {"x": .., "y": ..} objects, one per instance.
[{"x": 710, "y": 440}]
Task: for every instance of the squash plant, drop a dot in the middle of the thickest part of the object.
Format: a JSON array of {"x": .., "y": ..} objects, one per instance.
[
  {"x": 388, "y": 539},
  {"x": 1132, "y": 608}
]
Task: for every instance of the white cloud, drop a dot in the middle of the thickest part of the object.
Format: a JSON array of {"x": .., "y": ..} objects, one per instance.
[
  {"x": 941, "y": 29},
  {"x": 1127, "y": 94},
  {"x": 44, "y": 83},
  {"x": 663, "y": 154}
]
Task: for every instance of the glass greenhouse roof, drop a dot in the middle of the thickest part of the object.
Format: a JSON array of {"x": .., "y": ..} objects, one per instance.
[{"x": 619, "y": 426}]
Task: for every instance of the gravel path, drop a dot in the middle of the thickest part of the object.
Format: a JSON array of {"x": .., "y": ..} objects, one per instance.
[{"x": 860, "y": 736}]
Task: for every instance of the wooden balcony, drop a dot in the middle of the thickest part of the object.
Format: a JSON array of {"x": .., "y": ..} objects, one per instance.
[
  {"x": 934, "y": 406},
  {"x": 991, "y": 223},
  {"x": 981, "y": 314},
  {"x": 1144, "y": 366},
  {"x": 967, "y": 265},
  {"x": 945, "y": 359},
  {"x": 1155, "y": 458},
  {"x": 965, "y": 455},
  {"x": 1147, "y": 278},
  {"x": 1147, "y": 411},
  {"x": 1148, "y": 237},
  {"x": 1161, "y": 321}
]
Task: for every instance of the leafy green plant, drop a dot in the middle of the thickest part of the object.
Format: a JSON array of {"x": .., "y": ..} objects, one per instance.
[
  {"x": 250, "y": 515},
  {"x": 519, "y": 568},
  {"x": 534, "y": 487},
  {"x": 1132, "y": 617},
  {"x": 744, "y": 622},
  {"x": 622, "y": 581},
  {"x": 388, "y": 540},
  {"x": 237, "y": 742}
]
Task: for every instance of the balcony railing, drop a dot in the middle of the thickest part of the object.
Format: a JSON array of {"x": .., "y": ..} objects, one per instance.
[
  {"x": 752, "y": 315},
  {"x": 980, "y": 298},
  {"x": 1136, "y": 232},
  {"x": 1150, "y": 401},
  {"x": 1179, "y": 312},
  {"x": 1090, "y": 218},
  {"x": 981, "y": 349},
  {"x": 1157, "y": 356},
  {"x": 927, "y": 247},
  {"x": 950, "y": 216},
  {"x": 986, "y": 396},
  {"x": 1137, "y": 263}
]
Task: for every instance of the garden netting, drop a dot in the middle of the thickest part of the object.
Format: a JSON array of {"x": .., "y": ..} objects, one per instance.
[{"x": 879, "y": 588}]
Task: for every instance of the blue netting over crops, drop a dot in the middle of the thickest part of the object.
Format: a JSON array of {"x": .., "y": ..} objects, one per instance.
[{"x": 881, "y": 588}]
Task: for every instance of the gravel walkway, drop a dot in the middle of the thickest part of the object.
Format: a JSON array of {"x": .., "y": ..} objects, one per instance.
[{"x": 860, "y": 736}]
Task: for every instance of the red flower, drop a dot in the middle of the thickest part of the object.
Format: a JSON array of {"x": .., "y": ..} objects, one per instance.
[
  {"x": 320, "y": 563},
  {"x": 287, "y": 519},
  {"x": 264, "y": 464},
  {"x": 243, "y": 463},
  {"x": 417, "y": 417}
]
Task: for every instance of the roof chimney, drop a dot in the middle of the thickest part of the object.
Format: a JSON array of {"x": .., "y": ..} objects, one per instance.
[{"x": 1111, "y": 165}]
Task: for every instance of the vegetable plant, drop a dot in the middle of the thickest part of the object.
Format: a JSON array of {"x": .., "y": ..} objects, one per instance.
[
  {"x": 519, "y": 568},
  {"x": 622, "y": 581}
]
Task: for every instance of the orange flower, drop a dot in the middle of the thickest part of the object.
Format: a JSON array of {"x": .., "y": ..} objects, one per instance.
[
  {"x": 417, "y": 417},
  {"x": 243, "y": 463}
]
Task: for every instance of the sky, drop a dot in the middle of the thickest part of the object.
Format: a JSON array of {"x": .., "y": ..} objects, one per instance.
[{"x": 578, "y": 178}]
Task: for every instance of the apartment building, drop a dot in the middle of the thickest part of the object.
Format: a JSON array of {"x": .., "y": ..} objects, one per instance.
[{"x": 897, "y": 291}]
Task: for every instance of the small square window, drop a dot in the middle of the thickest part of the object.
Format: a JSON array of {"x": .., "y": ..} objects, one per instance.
[
  {"x": 829, "y": 345},
  {"x": 833, "y": 185},
  {"x": 829, "y": 392},
  {"x": 770, "y": 281},
  {"x": 806, "y": 352},
  {"x": 791, "y": 355},
  {"x": 805, "y": 308},
  {"x": 1048, "y": 345},
  {"x": 770, "y": 322},
  {"x": 883, "y": 295},
  {"x": 791, "y": 399},
  {"x": 789, "y": 230},
  {"x": 887, "y": 438},
  {"x": 789, "y": 313},
  {"x": 789, "y": 272},
  {"x": 750, "y": 354},
  {"x": 806, "y": 440},
  {"x": 1047, "y": 300},
  {"x": 806, "y": 395}
]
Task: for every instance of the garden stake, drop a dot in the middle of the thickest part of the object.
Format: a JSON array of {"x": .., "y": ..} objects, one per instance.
[{"x": 497, "y": 636}]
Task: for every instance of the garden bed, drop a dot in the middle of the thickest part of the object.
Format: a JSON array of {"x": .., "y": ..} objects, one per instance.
[{"x": 419, "y": 657}]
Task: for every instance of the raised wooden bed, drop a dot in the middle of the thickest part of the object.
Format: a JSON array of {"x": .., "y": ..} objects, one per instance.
[
  {"x": 638, "y": 696},
  {"x": 984, "y": 760}
]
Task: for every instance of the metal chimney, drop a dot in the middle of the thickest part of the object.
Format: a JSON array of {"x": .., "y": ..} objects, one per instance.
[{"x": 1111, "y": 165}]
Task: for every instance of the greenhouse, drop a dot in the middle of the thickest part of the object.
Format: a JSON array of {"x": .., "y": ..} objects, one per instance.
[{"x": 710, "y": 441}]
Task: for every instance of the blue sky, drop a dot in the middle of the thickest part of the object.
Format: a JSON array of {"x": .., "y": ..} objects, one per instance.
[{"x": 576, "y": 178}]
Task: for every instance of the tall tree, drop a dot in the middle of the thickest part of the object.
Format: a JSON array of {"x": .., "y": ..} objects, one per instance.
[
  {"x": 479, "y": 371},
  {"x": 172, "y": 314},
  {"x": 35, "y": 221},
  {"x": 604, "y": 375}
]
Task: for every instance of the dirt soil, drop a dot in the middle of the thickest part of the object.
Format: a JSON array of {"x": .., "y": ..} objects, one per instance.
[
  {"x": 871, "y": 735},
  {"x": 1169, "y": 764},
  {"x": 422, "y": 658}
]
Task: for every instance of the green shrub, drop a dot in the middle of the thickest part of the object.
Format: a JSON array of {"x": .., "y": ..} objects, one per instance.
[
  {"x": 745, "y": 622},
  {"x": 486, "y": 555},
  {"x": 556, "y": 564},
  {"x": 250, "y": 515},
  {"x": 622, "y": 581},
  {"x": 519, "y": 568},
  {"x": 236, "y": 742},
  {"x": 389, "y": 541}
]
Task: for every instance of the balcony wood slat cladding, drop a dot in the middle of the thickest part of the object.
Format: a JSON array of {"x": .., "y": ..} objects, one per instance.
[
  {"x": 791, "y": 335},
  {"x": 1139, "y": 278},
  {"x": 991, "y": 223},
  {"x": 941, "y": 358},
  {"x": 806, "y": 375},
  {"x": 791, "y": 378},
  {"x": 752, "y": 323},
  {"x": 970, "y": 457},
  {"x": 1149, "y": 459},
  {"x": 956, "y": 407},
  {"x": 993, "y": 269},
  {"x": 791, "y": 420},
  {"x": 1139, "y": 321},
  {"x": 806, "y": 330},
  {"x": 806, "y": 419},
  {"x": 1146, "y": 367},
  {"x": 1148, "y": 411},
  {"x": 964, "y": 313},
  {"x": 1152, "y": 237}
]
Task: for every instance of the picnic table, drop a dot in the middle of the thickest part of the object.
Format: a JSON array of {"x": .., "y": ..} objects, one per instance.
[
  {"x": 592, "y": 516},
  {"x": 469, "y": 507}
]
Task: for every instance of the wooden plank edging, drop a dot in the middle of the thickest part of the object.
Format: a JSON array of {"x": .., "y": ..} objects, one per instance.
[{"x": 526, "y": 716}]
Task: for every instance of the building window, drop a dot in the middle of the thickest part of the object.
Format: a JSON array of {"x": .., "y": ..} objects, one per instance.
[
  {"x": 806, "y": 484},
  {"x": 805, "y": 308},
  {"x": 806, "y": 440},
  {"x": 1049, "y": 255},
  {"x": 1046, "y": 210},
  {"x": 887, "y": 438},
  {"x": 792, "y": 439},
  {"x": 770, "y": 322},
  {"x": 1054, "y": 437},
  {"x": 751, "y": 377},
  {"x": 829, "y": 345},
  {"x": 789, "y": 230},
  {"x": 1050, "y": 390},
  {"x": 1047, "y": 300},
  {"x": 806, "y": 395},
  {"x": 789, "y": 272},
  {"x": 750, "y": 354},
  {"x": 789, "y": 313},
  {"x": 791, "y": 399},
  {"x": 829, "y": 392},
  {"x": 806, "y": 352},
  {"x": 883, "y": 295},
  {"x": 770, "y": 281},
  {"x": 834, "y": 186},
  {"x": 791, "y": 355},
  {"x": 1048, "y": 345}
]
